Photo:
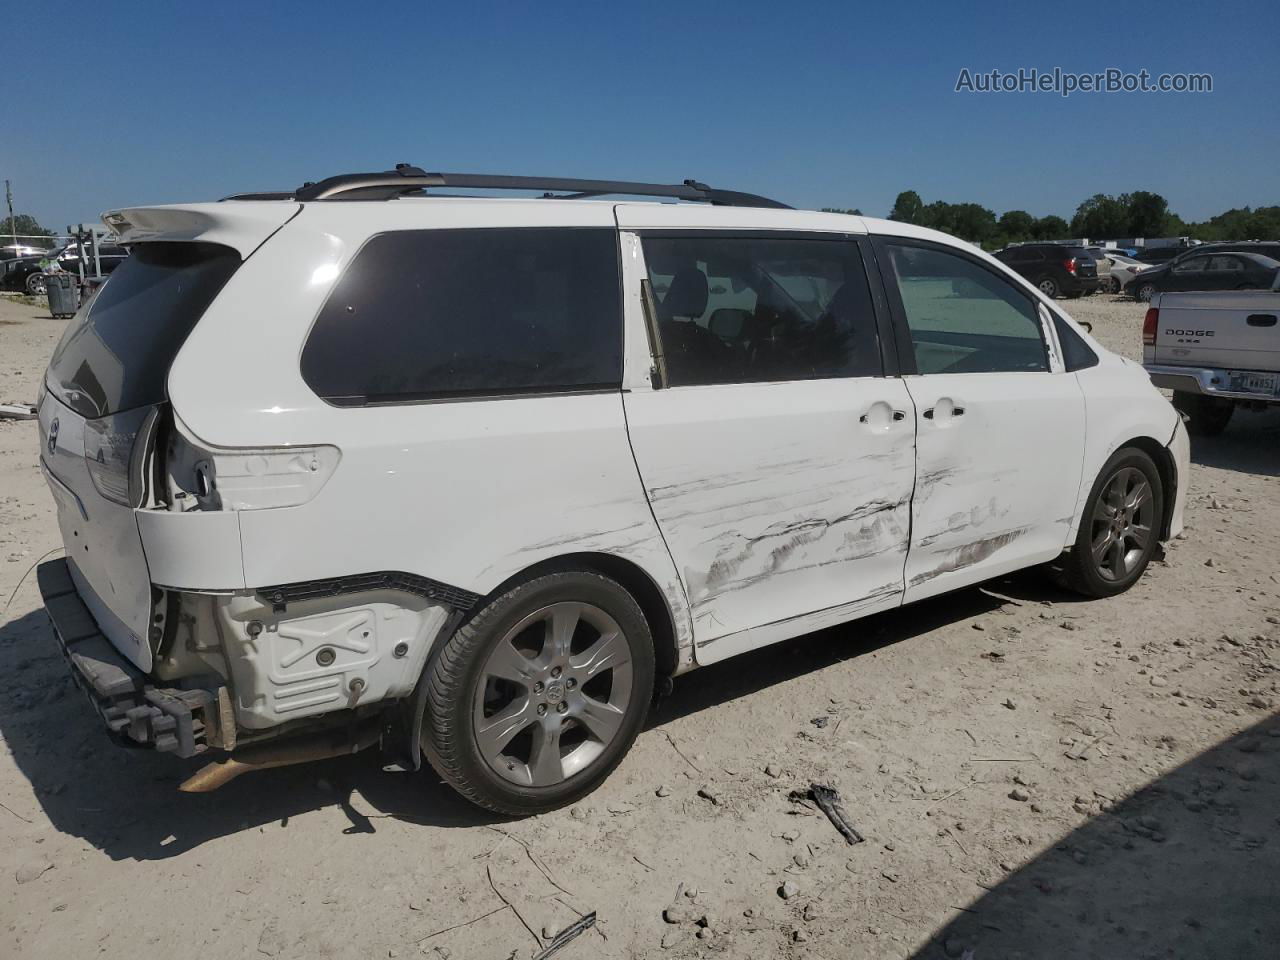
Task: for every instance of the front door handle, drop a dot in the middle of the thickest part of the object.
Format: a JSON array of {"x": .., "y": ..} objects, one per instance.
[{"x": 880, "y": 415}]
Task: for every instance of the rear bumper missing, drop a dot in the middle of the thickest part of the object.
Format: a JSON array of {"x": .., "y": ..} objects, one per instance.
[{"x": 135, "y": 711}]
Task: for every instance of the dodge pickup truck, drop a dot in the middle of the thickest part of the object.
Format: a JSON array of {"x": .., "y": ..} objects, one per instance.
[{"x": 1217, "y": 351}]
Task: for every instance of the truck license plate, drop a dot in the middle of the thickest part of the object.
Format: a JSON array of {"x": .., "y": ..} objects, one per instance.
[{"x": 1266, "y": 384}]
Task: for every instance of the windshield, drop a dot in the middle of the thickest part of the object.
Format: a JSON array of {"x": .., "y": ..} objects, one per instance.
[{"x": 116, "y": 355}]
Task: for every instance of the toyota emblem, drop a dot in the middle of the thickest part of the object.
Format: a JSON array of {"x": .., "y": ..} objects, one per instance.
[{"x": 53, "y": 436}]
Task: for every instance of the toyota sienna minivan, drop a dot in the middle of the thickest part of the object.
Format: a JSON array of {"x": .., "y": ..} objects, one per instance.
[{"x": 469, "y": 478}]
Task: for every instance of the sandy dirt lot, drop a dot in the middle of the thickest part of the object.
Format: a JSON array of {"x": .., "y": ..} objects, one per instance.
[{"x": 1035, "y": 776}]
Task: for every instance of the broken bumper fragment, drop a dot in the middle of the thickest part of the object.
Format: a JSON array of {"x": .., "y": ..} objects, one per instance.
[{"x": 136, "y": 712}]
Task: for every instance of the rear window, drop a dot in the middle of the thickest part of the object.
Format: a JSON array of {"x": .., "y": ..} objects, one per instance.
[
  {"x": 116, "y": 356},
  {"x": 422, "y": 314}
]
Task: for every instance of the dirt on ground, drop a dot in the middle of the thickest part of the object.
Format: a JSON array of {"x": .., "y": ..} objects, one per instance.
[{"x": 1034, "y": 776}]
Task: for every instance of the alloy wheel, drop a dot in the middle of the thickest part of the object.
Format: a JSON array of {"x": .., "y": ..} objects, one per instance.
[
  {"x": 1146, "y": 292},
  {"x": 1121, "y": 526},
  {"x": 552, "y": 694}
]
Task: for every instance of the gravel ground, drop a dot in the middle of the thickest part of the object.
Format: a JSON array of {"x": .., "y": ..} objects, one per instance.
[{"x": 1035, "y": 776}]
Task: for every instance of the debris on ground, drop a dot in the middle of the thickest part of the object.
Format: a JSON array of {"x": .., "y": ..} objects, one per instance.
[
  {"x": 829, "y": 802},
  {"x": 568, "y": 934}
]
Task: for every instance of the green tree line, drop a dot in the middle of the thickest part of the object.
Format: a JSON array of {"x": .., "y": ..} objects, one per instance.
[{"x": 1102, "y": 217}]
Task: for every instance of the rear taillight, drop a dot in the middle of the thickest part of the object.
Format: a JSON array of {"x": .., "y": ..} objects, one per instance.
[
  {"x": 1149, "y": 323},
  {"x": 1070, "y": 265},
  {"x": 115, "y": 448}
]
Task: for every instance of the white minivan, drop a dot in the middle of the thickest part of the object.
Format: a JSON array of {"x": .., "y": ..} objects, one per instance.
[{"x": 471, "y": 477}]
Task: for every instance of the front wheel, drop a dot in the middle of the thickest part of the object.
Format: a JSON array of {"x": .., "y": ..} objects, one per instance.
[
  {"x": 1146, "y": 291},
  {"x": 36, "y": 285},
  {"x": 1120, "y": 528},
  {"x": 1113, "y": 285},
  {"x": 536, "y": 699}
]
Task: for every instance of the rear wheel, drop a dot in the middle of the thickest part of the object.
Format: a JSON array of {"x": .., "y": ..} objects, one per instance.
[
  {"x": 538, "y": 697},
  {"x": 1206, "y": 416},
  {"x": 36, "y": 284},
  {"x": 1120, "y": 528},
  {"x": 1048, "y": 286}
]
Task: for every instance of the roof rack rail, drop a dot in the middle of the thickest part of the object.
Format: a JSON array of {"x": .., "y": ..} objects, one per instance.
[{"x": 405, "y": 179}]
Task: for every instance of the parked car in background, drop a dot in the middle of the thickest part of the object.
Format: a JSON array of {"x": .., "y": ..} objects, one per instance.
[
  {"x": 1123, "y": 269},
  {"x": 1057, "y": 269},
  {"x": 1217, "y": 352},
  {"x": 1102, "y": 266},
  {"x": 1205, "y": 271},
  {"x": 1157, "y": 255},
  {"x": 482, "y": 491},
  {"x": 26, "y": 274},
  {"x": 12, "y": 251},
  {"x": 1266, "y": 248}
]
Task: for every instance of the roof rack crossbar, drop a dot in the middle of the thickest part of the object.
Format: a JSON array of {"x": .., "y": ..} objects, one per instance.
[{"x": 405, "y": 179}]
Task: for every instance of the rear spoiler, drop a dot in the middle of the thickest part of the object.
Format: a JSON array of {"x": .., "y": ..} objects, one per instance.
[{"x": 242, "y": 226}]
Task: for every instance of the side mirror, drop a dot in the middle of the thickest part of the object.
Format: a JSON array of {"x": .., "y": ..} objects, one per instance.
[{"x": 1088, "y": 327}]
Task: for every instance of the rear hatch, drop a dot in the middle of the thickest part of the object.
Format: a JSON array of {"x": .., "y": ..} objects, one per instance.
[
  {"x": 106, "y": 398},
  {"x": 1232, "y": 330},
  {"x": 1086, "y": 266}
]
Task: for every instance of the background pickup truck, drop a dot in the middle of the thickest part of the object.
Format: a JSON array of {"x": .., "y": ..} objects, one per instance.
[{"x": 1216, "y": 351}]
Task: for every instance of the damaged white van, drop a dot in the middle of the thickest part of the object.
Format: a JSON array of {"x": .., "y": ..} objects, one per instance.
[{"x": 470, "y": 477}]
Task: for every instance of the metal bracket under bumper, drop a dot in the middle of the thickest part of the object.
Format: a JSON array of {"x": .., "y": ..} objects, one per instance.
[
  {"x": 135, "y": 712},
  {"x": 1202, "y": 380}
]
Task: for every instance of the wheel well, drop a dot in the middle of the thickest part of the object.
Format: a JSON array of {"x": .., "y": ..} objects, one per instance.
[
  {"x": 638, "y": 583},
  {"x": 1163, "y": 460}
]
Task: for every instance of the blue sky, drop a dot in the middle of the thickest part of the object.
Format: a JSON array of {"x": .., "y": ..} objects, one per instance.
[{"x": 835, "y": 104}]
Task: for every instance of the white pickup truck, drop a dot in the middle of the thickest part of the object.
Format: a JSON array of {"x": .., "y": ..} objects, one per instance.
[{"x": 1216, "y": 351}]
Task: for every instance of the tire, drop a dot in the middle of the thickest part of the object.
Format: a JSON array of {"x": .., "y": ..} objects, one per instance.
[
  {"x": 1206, "y": 416},
  {"x": 1048, "y": 286},
  {"x": 1113, "y": 285},
  {"x": 1095, "y": 566},
  {"x": 36, "y": 284},
  {"x": 519, "y": 728},
  {"x": 1145, "y": 292}
]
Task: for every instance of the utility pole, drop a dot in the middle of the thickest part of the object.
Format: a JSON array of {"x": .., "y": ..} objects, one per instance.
[{"x": 13, "y": 226}]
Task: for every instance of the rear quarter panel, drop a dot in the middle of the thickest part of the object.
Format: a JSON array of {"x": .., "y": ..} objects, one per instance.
[{"x": 467, "y": 493}]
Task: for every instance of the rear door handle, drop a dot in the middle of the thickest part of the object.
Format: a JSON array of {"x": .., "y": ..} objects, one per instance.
[
  {"x": 1262, "y": 320},
  {"x": 956, "y": 411}
]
